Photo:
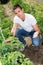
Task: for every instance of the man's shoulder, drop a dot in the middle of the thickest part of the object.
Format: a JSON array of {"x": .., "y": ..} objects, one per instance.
[
  {"x": 16, "y": 19},
  {"x": 31, "y": 17}
]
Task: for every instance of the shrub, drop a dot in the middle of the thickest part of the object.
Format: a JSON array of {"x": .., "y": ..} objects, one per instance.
[
  {"x": 39, "y": 18},
  {"x": 14, "y": 45},
  {"x": 26, "y": 7},
  {"x": 1, "y": 12},
  {"x": 15, "y": 58},
  {"x": 6, "y": 22},
  {"x": 14, "y": 2}
]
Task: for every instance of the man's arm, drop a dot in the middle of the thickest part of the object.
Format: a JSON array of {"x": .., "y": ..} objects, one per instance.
[
  {"x": 36, "y": 28},
  {"x": 15, "y": 25}
]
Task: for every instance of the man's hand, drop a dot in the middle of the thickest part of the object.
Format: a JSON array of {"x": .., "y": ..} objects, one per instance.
[
  {"x": 35, "y": 35},
  {"x": 13, "y": 32},
  {"x": 36, "y": 28}
]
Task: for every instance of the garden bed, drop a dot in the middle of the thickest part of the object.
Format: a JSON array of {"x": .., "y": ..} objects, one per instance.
[{"x": 35, "y": 54}]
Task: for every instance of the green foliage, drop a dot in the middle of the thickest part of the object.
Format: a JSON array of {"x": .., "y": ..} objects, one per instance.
[
  {"x": 15, "y": 58},
  {"x": 39, "y": 18},
  {"x": 1, "y": 12},
  {"x": 14, "y": 2},
  {"x": 26, "y": 7},
  {"x": 33, "y": 10},
  {"x": 1, "y": 39},
  {"x": 6, "y": 22},
  {"x": 6, "y": 32},
  {"x": 14, "y": 45},
  {"x": 38, "y": 7},
  {"x": 6, "y": 25}
]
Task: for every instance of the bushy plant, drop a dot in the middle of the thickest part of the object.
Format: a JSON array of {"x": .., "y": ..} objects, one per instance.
[
  {"x": 14, "y": 2},
  {"x": 39, "y": 18},
  {"x": 1, "y": 39},
  {"x": 6, "y": 32},
  {"x": 14, "y": 45},
  {"x": 38, "y": 7},
  {"x": 6, "y": 25},
  {"x": 1, "y": 12},
  {"x": 26, "y": 7},
  {"x": 6, "y": 22},
  {"x": 15, "y": 58}
]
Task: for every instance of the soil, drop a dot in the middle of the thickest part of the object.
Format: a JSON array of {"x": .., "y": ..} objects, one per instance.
[{"x": 35, "y": 54}]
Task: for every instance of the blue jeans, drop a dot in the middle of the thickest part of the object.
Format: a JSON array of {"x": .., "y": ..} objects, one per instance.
[{"x": 21, "y": 33}]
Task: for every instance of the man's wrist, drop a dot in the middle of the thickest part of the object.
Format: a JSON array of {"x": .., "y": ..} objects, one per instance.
[{"x": 37, "y": 32}]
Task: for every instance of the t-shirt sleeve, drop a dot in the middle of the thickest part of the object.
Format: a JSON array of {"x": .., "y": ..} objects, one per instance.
[
  {"x": 33, "y": 21},
  {"x": 15, "y": 20}
]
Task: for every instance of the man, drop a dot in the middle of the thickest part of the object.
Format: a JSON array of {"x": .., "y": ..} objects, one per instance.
[{"x": 28, "y": 24}]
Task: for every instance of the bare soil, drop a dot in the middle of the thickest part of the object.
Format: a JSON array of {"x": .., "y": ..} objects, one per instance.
[{"x": 35, "y": 54}]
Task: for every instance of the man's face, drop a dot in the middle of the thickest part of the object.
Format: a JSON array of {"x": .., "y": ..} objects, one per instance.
[{"x": 19, "y": 12}]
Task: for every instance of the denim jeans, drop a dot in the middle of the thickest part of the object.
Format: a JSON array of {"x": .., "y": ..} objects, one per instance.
[{"x": 21, "y": 33}]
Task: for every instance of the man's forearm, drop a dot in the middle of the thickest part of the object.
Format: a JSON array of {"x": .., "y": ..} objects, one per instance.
[
  {"x": 38, "y": 32},
  {"x": 13, "y": 31}
]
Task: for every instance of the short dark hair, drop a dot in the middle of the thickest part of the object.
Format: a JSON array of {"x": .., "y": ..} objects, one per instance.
[{"x": 17, "y": 6}]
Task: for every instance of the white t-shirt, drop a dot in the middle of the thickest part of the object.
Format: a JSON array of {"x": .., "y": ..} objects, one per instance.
[{"x": 27, "y": 24}]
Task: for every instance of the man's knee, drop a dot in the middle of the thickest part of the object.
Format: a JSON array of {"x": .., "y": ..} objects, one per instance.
[{"x": 36, "y": 41}]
